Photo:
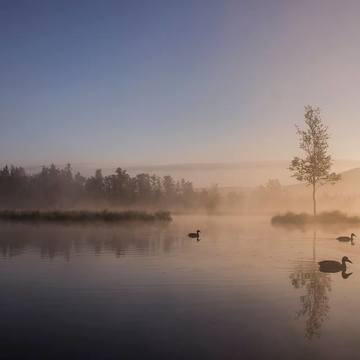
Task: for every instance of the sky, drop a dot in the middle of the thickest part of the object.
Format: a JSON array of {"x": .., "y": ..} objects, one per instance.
[{"x": 169, "y": 82}]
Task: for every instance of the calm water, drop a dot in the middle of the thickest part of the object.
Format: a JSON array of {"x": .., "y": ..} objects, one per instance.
[{"x": 246, "y": 290}]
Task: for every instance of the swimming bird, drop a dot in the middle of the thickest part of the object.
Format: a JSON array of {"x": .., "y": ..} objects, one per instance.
[
  {"x": 347, "y": 238},
  {"x": 331, "y": 266},
  {"x": 194, "y": 235}
]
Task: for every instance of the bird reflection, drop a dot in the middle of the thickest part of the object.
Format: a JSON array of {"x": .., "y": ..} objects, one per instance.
[{"x": 345, "y": 275}]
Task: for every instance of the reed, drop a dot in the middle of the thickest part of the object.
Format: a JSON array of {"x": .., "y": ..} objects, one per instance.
[
  {"x": 331, "y": 217},
  {"x": 83, "y": 215}
]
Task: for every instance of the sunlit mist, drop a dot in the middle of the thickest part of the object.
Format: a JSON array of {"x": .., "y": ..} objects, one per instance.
[{"x": 179, "y": 179}]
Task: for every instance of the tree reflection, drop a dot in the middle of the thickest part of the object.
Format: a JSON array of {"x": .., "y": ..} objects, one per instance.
[
  {"x": 51, "y": 241},
  {"x": 315, "y": 302}
]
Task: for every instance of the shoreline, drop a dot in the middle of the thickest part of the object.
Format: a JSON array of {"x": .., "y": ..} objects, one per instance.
[
  {"x": 331, "y": 217},
  {"x": 83, "y": 216}
]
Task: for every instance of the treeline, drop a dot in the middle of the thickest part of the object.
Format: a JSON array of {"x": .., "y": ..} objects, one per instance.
[
  {"x": 62, "y": 188},
  {"x": 57, "y": 188}
]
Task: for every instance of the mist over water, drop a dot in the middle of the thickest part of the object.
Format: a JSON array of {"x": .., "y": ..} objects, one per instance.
[
  {"x": 54, "y": 188},
  {"x": 246, "y": 289}
]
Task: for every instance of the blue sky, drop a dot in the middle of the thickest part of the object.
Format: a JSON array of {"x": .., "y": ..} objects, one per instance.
[{"x": 137, "y": 82}]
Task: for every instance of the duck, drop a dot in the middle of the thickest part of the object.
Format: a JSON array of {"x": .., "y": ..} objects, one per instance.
[
  {"x": 347, "y": 238},
  {"x": 332, "y": 266},
  {"x": 195, "y": 235}
]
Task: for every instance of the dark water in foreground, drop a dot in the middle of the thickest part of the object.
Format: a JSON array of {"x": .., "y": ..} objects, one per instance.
[{"x": 245, "y": 291}]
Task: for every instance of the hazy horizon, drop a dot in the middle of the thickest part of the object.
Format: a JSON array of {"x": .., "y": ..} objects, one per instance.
[{"x": 235, "y": 174}]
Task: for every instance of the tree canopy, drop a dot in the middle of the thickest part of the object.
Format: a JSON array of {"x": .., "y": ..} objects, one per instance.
[{"x": 314, "y": 168}]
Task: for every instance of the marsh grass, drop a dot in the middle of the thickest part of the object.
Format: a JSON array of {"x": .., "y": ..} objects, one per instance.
[
  {"x": 83, "y": 216},
  {"x": 332, "y": 217}
]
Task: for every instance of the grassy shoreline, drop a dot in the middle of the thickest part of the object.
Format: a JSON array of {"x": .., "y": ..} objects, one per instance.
[
  {"x": 333, "y": 217},
  {"x": 83, "y": 215}
]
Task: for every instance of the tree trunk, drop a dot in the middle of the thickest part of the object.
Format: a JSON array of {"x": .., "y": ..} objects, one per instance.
[
  {"x": 314, "y": 199},
  {"x": 314, "y": 245}
]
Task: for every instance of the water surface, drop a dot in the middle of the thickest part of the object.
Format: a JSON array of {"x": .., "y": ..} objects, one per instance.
[{"x": 246, "y": 290}]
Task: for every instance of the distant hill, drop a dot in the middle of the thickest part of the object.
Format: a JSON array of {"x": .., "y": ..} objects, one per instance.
[{"x": 349, "y": 184}]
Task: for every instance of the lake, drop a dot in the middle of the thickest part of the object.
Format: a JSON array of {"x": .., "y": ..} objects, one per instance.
[{"x": 246, "y": 290}]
